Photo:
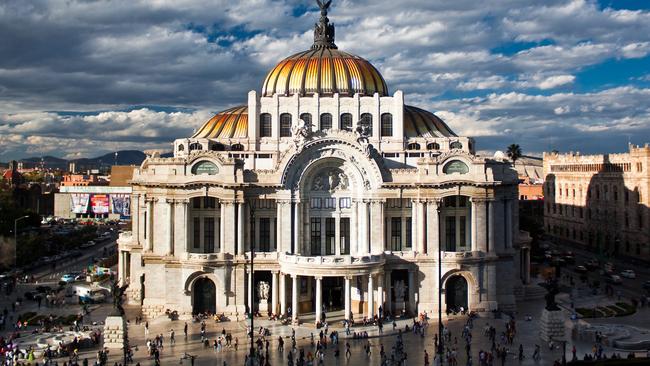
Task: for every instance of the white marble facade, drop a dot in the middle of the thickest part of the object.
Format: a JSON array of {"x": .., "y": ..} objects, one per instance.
[{"x": 340, "y": 217}]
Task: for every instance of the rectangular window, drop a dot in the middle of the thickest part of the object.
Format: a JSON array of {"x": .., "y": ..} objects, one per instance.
[
  {"x": 396, "y": 233},
  {"x": 197, "y": 233},
  {"x": 330, "y": 236},
  {"x": 329, "y": 202},
  {"x": 314, "y": 203},
  {"x": 265, "y": 125},
  {"x": 409, "y": 237},
  {"x": 462, "y": 232},
  {"x": 450, "y": 234},
  {"x": 208, "y": 235},
  {"x": 145, "y": 225},
  {"x": 315, "y": 235},
  {"x": 265, "y": 234},
  {"x": 345, "y": 202},
  {"x": 344, "y": 227},
  {"x": 209, "y": 202}
]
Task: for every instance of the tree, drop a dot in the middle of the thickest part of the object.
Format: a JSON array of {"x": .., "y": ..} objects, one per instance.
[{"x": 514, "y": 152}]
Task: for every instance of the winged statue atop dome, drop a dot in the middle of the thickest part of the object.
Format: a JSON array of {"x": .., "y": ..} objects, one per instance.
[{"x": 323, "y": 6}]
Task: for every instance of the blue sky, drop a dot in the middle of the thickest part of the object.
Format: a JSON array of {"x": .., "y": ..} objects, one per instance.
[{"x": 80, "y": 78}]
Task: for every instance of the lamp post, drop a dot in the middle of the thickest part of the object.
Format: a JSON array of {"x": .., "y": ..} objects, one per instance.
[
  {"x": 440, "y": 326},
  {"x": 16, "y": 240}
]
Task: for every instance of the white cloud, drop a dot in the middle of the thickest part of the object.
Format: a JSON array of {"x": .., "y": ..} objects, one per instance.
[{"x": 555, "y": 81}]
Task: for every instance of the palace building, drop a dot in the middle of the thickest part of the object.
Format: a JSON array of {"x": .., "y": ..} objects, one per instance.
[
  {"x": 345, "y": 194},
  {"x": 600, "y": 202}
]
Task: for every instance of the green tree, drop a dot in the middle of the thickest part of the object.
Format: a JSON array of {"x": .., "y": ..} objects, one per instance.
[{"x": 514, "y": 152}]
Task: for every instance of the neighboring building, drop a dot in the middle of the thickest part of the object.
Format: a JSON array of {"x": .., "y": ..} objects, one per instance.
[
  {"x": 12, "y": 177},
  {"x": 531, "y": 189},
  {"x": 600, "y": 201},
  {"x": 82, "y": 180},
  {"x": 121, "y": 175},
  {"x": 345, "y": 193}
]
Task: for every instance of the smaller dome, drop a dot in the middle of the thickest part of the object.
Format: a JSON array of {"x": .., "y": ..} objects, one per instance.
[
  {"x": 421, "y": 123},
  {"x": 231, "y": 123}
]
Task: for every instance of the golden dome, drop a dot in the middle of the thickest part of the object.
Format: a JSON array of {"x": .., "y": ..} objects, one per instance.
[
  {"x": 231, "y": 123},
  {"x": 421, "y": 123},
  {"x": 324, "y": 71}
]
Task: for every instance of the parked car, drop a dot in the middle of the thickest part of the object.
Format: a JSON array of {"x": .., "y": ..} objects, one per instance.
[
  {"x": 581, "y": 269},
  {"x": 646, "y": 285},
  {"x": 614, "y": 279},
  {"x": 69, "y": 277},
  {"x": 628, "y": 273}
]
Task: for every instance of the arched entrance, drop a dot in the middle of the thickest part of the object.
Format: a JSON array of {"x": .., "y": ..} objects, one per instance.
[
  {"x": 456, "y": 293},
  {"x": 205, "y": 296}
]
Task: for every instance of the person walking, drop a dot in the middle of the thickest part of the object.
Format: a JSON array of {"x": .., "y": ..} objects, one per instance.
[
  {"x": 146, "y": 329},
  {"x": 172, "y": 340},
  {"x": 348, "y": 353},
  {"x": 185, "y": 330},
  {"x": 426, "y": 358}
]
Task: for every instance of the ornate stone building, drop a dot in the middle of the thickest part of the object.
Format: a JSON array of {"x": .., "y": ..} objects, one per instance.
[
  {"x": 344, "y": 192},
  {"x": 600, "y": 201}
]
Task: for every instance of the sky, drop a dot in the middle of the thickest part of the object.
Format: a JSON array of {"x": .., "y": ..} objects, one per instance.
[{"x": 79, "y": 78}]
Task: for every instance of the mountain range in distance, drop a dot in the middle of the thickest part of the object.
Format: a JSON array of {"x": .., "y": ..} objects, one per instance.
[{"x": 124, "y": 157}]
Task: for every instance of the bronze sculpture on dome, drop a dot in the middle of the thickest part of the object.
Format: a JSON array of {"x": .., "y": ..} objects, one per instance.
[{"x": 323, "y": 31}]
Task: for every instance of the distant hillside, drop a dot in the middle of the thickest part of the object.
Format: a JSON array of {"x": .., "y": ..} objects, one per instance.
[{"x": 124, "y": 157}]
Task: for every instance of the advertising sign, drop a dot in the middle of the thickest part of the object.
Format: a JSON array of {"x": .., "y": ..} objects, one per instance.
[
  {"x": 121, "y": 204},
  {"x": 79, "y": 203},
  {"x": 99, "y": 203}
]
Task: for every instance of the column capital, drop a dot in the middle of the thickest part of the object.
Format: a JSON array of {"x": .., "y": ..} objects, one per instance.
[
  {"x": 170, "y": 201},
  {"x": 283, "y": 201},
  {"x": 318, "y": 278},
  {"x": 478, "y": 200},
  {"x": 150, "y": 199},
  {"x": 227, "y": 201},
  {"x": 435, "y": 201}
]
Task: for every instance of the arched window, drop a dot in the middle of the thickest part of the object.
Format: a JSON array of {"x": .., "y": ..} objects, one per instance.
[
  {"x": 237, "y": 147},
  {"x": 195, "y": 146},
  {"x": 456, "y": 145},
  {"x": 307, "y": 118},
  {"x": 181, "y": 147},
  {"x": 433, "y": 146},
  {"x": 346, "y": 122},
  {"x": 366, "y": 120},
  {"x": 386, "y": 125},
  {"x": 325, "y": 121},
  {"x": 218, "y": 147},
  {"x": 285, "y": 125},
  {"x": 265, "y": 125},
  {"x": 413, "y": 146}
]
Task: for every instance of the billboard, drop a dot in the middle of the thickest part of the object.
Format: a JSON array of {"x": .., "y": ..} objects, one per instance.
[
  {"x": 121, "y": 204},
  {"x": 79, "y": 203},
  {"x": 99, "y": 203}
]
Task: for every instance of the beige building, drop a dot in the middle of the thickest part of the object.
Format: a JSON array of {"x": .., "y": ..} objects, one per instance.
[
  {"x": 345, "y": 193},
  {"x": 600, "y": 201}
]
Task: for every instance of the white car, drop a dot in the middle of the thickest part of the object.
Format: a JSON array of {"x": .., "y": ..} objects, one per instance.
[{"x": 628, "y": 273}]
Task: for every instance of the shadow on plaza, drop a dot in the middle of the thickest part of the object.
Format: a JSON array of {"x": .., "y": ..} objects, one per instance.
[{"x": 608, "y": 218}]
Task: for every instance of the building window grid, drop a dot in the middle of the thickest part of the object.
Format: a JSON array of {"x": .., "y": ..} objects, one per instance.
[
  {"x": 386, "y": 125},
  {"x": 265, "y": 125},
  {"x": 315, "y": 226},
  {"x": 208, "y": 234},
  {"x": 409, "y": 237},
  {"x": 325, "y": 122},
  {"x": 346, "y": 122},
  {"x": 264, "y": 243},
  {"x": 306, "y": 117},
  {"x": 330, "y": 236},
  {"x": 344, "y": 241},
  {"x": 196, "y": 233},
  {"x": 396, "y": 234}
]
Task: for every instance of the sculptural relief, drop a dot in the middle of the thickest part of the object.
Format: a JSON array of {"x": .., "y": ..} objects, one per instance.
[{"x": 263, "y": 290}]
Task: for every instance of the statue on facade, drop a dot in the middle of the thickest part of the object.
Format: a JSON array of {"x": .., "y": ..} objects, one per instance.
[
  {"x": 323, "y": 31},
  {"x": 317, "y": 184},
  {"x": 117, "y": 292},
  {"x": 399, "y": 291},
  {"x": 300, "y": 131},
  {"x": 263, "y": 290}
]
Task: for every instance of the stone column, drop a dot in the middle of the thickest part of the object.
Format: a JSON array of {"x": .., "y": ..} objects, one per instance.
[
  {"x": 135, "y": 217},
  {"x": 149, "y": 223},
  {"x": 186, "y": 225},
  {"x": 412, "y": 284},
  {"x": 481, "y": 226},
  {"x": 120, "y": 268},
  {"x": 389, "y": 296},
  {"x": 354, "y": 234},
  {"x": 222, "y": 226},
  {"x": 415, "y": 241},
  {"x": 363, "y": 228},
  {"x": 283, "y": 294},
  {"x": 376, "y": 227},
  {"x": 421, "y": 225},
  {"x": 380, "y": 292},
  {"x": 294, "y": 297},
  {"x": 347, "y": 295},
  {"x": 474, "y": 224},
  {"x": 170, "y": 229},
  {"x": 319, "y": 298},
  {"x": 297, "y": 222},
  {"x": 274, "y": 292},
  {"x": 371, "y": 299},
  {"x": 250, "y": 291},
  {"x": 228, "y": 245},
  {"x": 241, "y": 222},
  {"x": 433, "y": 230},
  {"x": 491, "y": 244}
]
